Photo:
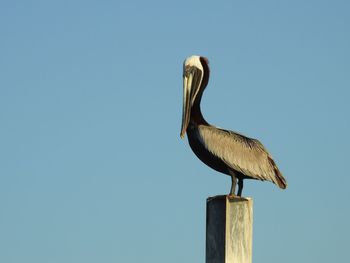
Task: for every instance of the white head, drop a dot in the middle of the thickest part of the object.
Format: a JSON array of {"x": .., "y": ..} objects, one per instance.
[
  {"x": 193, "y": 61},
  {"x": 193, "y": 74}
]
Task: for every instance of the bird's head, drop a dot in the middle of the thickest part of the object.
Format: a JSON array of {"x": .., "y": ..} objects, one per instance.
[{"x": 194, "y": 70}]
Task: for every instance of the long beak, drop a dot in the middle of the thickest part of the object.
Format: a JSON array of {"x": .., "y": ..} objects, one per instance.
[{"x": 186, "y": 110}]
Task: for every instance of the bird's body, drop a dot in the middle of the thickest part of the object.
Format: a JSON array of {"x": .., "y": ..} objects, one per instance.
[{"x": 224, "y": 151}]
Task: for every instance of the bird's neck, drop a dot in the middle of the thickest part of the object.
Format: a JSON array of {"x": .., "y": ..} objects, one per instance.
[{"x": 196, "y": 114}]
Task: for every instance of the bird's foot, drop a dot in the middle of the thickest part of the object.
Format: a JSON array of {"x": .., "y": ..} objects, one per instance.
[{"x": 232, "y": 196}]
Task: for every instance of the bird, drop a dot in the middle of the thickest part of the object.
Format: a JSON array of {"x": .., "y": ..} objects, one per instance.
[{"x": 225, "y": 151}]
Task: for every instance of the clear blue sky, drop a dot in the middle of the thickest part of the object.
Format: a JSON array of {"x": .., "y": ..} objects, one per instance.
[{"x": 92, "y": 165}]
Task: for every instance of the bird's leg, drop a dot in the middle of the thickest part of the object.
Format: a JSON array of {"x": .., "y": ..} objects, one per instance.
[
  {"x": 233, "y": 185},
  {"x": 240, "y": 187}
]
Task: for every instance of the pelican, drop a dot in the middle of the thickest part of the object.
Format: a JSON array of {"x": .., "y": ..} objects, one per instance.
[{"x": 225, "y": 151}]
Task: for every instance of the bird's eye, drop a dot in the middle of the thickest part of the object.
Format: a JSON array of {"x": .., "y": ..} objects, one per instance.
[{"x": 187, "y": 71}]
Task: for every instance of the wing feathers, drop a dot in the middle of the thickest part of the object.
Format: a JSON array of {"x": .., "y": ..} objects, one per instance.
[{"x": 241, "y": 153}]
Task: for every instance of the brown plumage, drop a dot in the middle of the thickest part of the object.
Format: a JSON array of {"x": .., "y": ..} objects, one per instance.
[{"x": 225, "y": 151}]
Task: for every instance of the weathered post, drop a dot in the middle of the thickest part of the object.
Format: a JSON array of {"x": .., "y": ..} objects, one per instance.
[{"x": 229, "y": 230}]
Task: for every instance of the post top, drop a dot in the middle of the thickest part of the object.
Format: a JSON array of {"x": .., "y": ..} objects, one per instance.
[{"x": 229, "y": 198}]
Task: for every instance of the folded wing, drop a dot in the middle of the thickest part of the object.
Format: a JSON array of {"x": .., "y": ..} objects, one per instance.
[{"x": 242, "y": 154}]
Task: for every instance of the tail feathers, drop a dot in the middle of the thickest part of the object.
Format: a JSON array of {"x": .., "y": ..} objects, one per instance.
[{"x": 280, "y": 180}]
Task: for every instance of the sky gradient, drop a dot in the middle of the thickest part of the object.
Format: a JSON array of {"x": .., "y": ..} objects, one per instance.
[{"x": 92, "y": 165}]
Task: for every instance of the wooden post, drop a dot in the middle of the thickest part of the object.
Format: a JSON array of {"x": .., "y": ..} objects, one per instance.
[{"x": 229, "y": 230}]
